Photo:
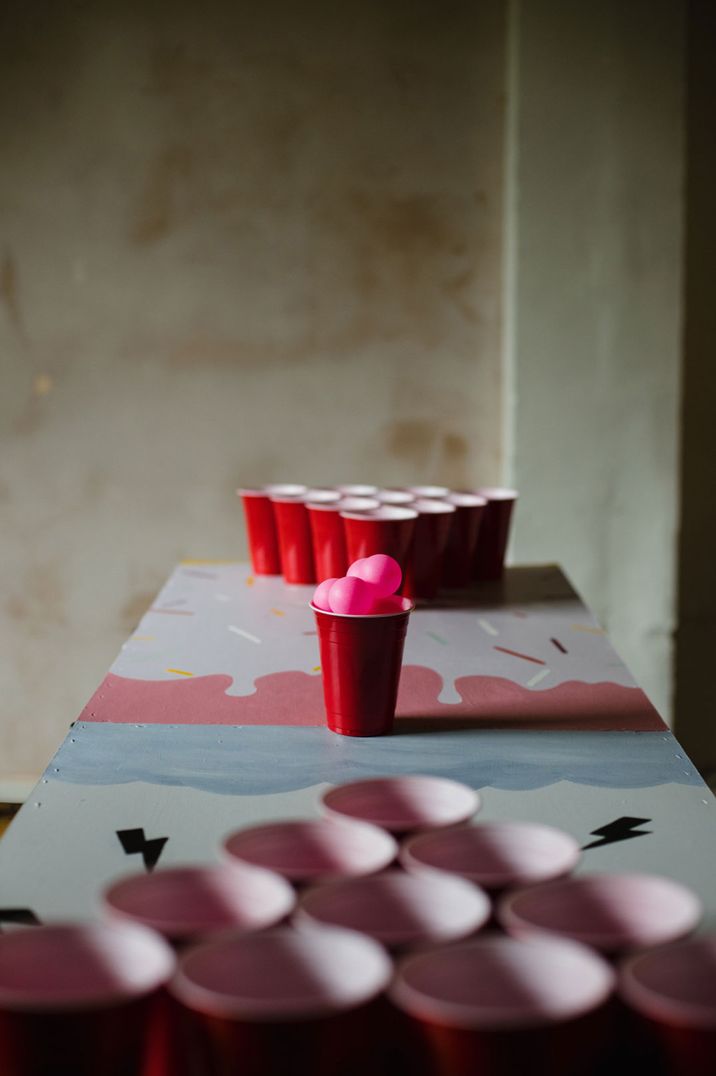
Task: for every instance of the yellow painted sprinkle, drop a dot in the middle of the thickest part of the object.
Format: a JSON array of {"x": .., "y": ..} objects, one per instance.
[
  {"x": 589, "y": 628},
  {"x": 180, "y": 672},
  {"x": 316, "y": 668}
]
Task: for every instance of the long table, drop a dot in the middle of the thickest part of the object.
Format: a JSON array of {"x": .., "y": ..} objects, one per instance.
[{"x": 211, "y": 718}]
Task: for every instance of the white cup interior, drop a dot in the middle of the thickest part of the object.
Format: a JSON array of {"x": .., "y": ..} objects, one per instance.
[
  {"x": 185, "y": 902},
  {"x": 399, "y": 909},
  {"x": 497, "y": 982},
  {"x": 495, "y": 854},
  {"x": 401, "y": 804},
  {"x": 312, "y": 849},
  {"x": 612, "y": 912},
  {"x": 388, "y": 512},
  {"x": 429, "y": 491},
  {"x": 358, "y": 490},
  {"x": 284, "y": 973}
]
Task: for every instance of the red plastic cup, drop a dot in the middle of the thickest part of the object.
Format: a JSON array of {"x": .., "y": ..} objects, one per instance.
[
  {"x": 494, "y": 532},
  {"x": 328, "y": 533},
  {"x": 395, "y": 496},
  {"x": 357, "y": 490},
  {"x": 400, "y": 910},
  {"x": 294, "y": 533},
  {"x": 187, "y": 904},
  {"x": 78, "y": 1000},
  {"x": 288, "y": 1002},
  {"x": 424, "y": 567},
  {"x": 461, "y": 547},
  {"x": 261, "y": 530},
  {"x": 361, "y": 659},
  {"x": 388, "y": 529},
  {"x": 494, "y": 855},
  {"x": 403, "y": 804},
  {"x": 671, "y": 992},
  {"x": 315, "y": 850},
  {"x": 614, "y": 913},
  {"x": 499, "y": 1007}
]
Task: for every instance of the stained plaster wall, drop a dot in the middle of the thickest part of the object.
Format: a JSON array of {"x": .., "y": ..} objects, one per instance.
[
  {"x": 238, "y": 242},
  {"x": 594, "y": 278}
]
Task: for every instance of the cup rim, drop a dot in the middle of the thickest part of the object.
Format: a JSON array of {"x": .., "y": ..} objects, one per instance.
[
  {"x": 156, "y": 969},
  {"x": 472, "y": 801},
  {"x": 466, "y": 500},
  {"x": 350, "y": 489},
  {"x": 431, "y": 506},
  {"x": 410, "y": 852},
  {"x": 117, "y": 898},
  {"x": 384, "y": 847},
  {"x": 199, "y": 997},
  {"x": 433, "y": 493},
  {"x": 497, "y": 493},
  {"x": 615, "y": 940},
  {"x": 387, "y": 513},
  {"x": 339, "y": 505},
  {"x": 474, "y": 1016},
  {"x": 365, "y": 616},
  {"x": 657, "y": 1005},
  {"x": 430, "y": 891}
]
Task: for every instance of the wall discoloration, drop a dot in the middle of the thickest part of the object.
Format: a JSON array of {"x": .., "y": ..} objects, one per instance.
[{"x": 246, "y": 246}]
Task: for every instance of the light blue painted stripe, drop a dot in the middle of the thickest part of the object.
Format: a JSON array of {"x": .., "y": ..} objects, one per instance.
[{"x": 250, "y": 760}]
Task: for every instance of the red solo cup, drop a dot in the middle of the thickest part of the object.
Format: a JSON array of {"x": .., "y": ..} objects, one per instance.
[
  {"x": 294, "y": 534},
  {"x": 494, "y": 855},
  {"x": 361, "y": 659},
  {"x": 400, "y": 910},
  {"x": 424, "y": 568},
  {"x": 672, "y": 993},
  {"x": 395, "y": 496},
  {"x": 261, "y": 530},
  {"x": 494, "y": 532},
  {"x": 78, "y": 1000},
  {"x": 498, "y": 1007},
  {"x": 189, "y": 903},
  {"x": 357, "y": 491},
  {"x": 315, "y": 850},
  {"x": 403, "y": 804},
  {"x": 615, "y": 913},
  {"x": 462, "y": 539},
  {"x": 388, "y": 529},
  {"x": 329, "y": 540},
  {"x": 288, "y": 1002}
]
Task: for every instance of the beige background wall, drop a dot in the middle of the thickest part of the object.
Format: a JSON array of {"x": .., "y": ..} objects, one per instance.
[
  {"x": 238, "y": 242},
  {"x": 595, "y": 215}
]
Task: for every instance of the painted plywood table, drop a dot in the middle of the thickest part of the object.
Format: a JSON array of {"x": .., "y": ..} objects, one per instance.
[{"x": 211, "y": 718}]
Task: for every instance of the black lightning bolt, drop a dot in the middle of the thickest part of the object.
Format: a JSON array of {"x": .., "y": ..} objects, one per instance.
[
  {"x": 621, "y": 829},
  {"x": 133, "y": 841},
  {"x": 24, "y": 916}
]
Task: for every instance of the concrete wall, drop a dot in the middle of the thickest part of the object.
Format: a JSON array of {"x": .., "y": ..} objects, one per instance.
[
  {"x": 238, "y": 242},
  {"x": 594, "y": 300},
  {"x": 696, "y": 637}
]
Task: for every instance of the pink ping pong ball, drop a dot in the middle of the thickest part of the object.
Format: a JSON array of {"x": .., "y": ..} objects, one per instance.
[
  {"x": 320, "y": 594},
  {"x": 352, "y": 596},
  {"x": 380, "y": 570}
]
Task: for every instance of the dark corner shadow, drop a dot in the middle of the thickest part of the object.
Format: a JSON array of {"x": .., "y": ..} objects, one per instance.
[
  {"x": 544, "y": 723},
  {"x": 520, "y": 585}
]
